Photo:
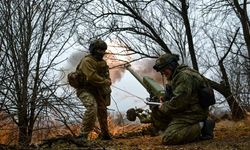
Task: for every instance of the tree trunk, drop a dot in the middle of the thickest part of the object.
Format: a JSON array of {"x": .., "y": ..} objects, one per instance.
[
  {"x": 243, "y": 16},
  {"x": 23, "y": 136},
  {"x": 184, "y": 14},
  {"x": 23, "y": 129},
  {"x": 224, "y": 88},
  {"x": 238, "y": 112}
]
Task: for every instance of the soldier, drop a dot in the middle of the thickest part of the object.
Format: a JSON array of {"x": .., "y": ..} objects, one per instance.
[
  {"x": 188, "y": 119},
  {"x": 95, "y": 91}
]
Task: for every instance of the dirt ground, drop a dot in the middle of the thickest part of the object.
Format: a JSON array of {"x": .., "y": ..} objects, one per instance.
[{"x": 229, "y": 135}]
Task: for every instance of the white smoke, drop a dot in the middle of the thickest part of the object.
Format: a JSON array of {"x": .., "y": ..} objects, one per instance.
[{"x": 144, "y": 67}]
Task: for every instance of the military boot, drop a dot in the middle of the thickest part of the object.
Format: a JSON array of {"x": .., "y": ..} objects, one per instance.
[
  {"x": 104, "y": 137},
  {"x": 207, "y": 130},
  {"x": 153, "y": 131},
  {"x": 82, "y": 137}
]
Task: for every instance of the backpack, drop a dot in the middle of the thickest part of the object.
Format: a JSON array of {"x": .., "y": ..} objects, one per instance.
[
  {"x": 206, "y": 97},
  {"x": 75, "y": 79},
  {"x": 205, "y": 92}
]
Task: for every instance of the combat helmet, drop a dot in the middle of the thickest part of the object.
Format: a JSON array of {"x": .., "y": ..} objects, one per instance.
[
  {"x": 97, "y": 44},
  {"x": 97, "y": 48},
  {"x": 166, "y": 60}
]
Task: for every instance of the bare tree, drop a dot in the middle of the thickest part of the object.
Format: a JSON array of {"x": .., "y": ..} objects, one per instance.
[
  {"x": 224, "y": 87},
  {"x": 241, "y": 10},
  {"x": 33, "y": 36},
  {"x": 231, "y": 15},
  {"x": 183, "y": 12}
]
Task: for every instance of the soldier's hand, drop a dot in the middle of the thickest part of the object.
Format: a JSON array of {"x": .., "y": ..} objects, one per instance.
[
  {"x": 109, "y": 82},
  {"x": 161, "y": 101}
]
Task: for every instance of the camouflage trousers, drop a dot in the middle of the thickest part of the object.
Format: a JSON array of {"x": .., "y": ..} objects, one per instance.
[
  {"x": 180, "y": 132},
  {"x": 160, "y": 120},
  {"x": 175, "y": 131},
  {"x": 95, "y": 108}
]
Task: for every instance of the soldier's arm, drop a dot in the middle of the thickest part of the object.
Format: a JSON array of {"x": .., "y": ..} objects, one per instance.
[
  {"x": 89, "y": 69},
  {"x": 182, "y": 92}
]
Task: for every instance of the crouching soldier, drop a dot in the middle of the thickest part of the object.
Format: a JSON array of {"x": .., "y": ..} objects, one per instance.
[{"x": 188, "y": 118}]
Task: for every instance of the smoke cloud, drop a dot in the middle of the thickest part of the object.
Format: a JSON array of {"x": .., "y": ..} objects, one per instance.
[
  {"x": 71, "y": 63},
  {"x": 75, "y": 58},
  {"x": 116, "y": 67},
  {"x": 145, "y": 68}
]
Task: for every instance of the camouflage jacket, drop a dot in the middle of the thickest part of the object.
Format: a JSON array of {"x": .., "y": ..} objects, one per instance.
[
  {"x": 96, "y": 75},
  {"x": 184, "y": 104}
]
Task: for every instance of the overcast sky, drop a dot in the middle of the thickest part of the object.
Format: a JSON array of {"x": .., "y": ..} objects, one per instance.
[{"x": 128, "y": 93}]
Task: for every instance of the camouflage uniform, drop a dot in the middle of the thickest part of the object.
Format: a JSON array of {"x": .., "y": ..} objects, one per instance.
[
  {"x": 184, "y": 107},
  {"x": 95, "y": 93}
]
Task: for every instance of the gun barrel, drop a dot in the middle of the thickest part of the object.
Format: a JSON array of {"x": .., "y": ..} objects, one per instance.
[
  {"x": 137, "y": 76},
  {"x": 153, "y": 88}
]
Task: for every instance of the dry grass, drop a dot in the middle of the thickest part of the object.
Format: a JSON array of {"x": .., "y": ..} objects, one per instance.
[
  {"x": 230, "y": 129},
  {"x": 228, "y": 135}
]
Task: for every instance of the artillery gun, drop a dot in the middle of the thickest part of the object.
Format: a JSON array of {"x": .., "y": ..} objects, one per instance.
[{"x": 155, "y": 92}]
